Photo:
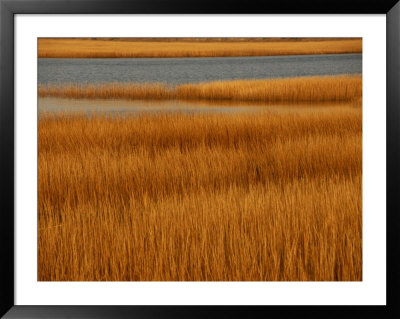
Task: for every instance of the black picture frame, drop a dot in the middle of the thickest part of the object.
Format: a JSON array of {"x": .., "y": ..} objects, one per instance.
[{"x": 8, "y": 8}]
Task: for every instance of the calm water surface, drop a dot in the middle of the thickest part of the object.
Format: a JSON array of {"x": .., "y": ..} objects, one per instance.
[
  {"x": 184, "y": 70},
  {"x": 126, "y": 107}
]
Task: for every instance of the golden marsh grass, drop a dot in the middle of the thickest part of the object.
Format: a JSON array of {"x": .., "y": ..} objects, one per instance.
[
  {"x": 300, "y": 89},
  {"x": 168, "y": 48},
  {"x": 223, "y": 197}
]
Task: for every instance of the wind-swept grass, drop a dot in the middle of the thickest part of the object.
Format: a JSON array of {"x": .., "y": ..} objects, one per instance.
[
  {"x": 299, "y": 89},
  {"x": 196, "y": 47},
  {"x": 266, "y": 196}
]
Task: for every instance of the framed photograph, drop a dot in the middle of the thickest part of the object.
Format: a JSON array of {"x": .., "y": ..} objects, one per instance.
[{"x": 178, "y": 160}]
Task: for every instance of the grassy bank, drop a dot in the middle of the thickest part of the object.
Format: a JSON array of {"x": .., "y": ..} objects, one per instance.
[
  {"x": 168, "y": 48},
  {"x": 300, "y": 89},
  {"x": 268, "y": 196}
]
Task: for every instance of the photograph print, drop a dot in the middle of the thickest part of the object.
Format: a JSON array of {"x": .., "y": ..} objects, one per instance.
[{"x": 199, "y": 159}]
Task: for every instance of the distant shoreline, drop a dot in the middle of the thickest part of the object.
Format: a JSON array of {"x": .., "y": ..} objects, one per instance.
[
  {"x": 193, "y": 47},
  {"x": 205, "y": 57}
]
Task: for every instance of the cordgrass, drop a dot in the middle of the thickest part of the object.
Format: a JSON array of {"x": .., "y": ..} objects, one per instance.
[
  {"x": 299, "y": 89},
  {"x": 196, "y": 47},
  {"x": 201, "y": 197}
]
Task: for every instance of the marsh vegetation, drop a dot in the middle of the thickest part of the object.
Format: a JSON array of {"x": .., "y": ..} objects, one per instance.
[
  {"x": 299, "y": 89},
  {"x": 267, "y": 196},
  {"x": 146, "y": 189},
  {"x": 142, "y": 48}
]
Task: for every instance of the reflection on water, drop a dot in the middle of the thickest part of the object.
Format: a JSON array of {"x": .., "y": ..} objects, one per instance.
[
  {"x": 121, "y": 107},
  {"x": 138, "y": 106}
]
